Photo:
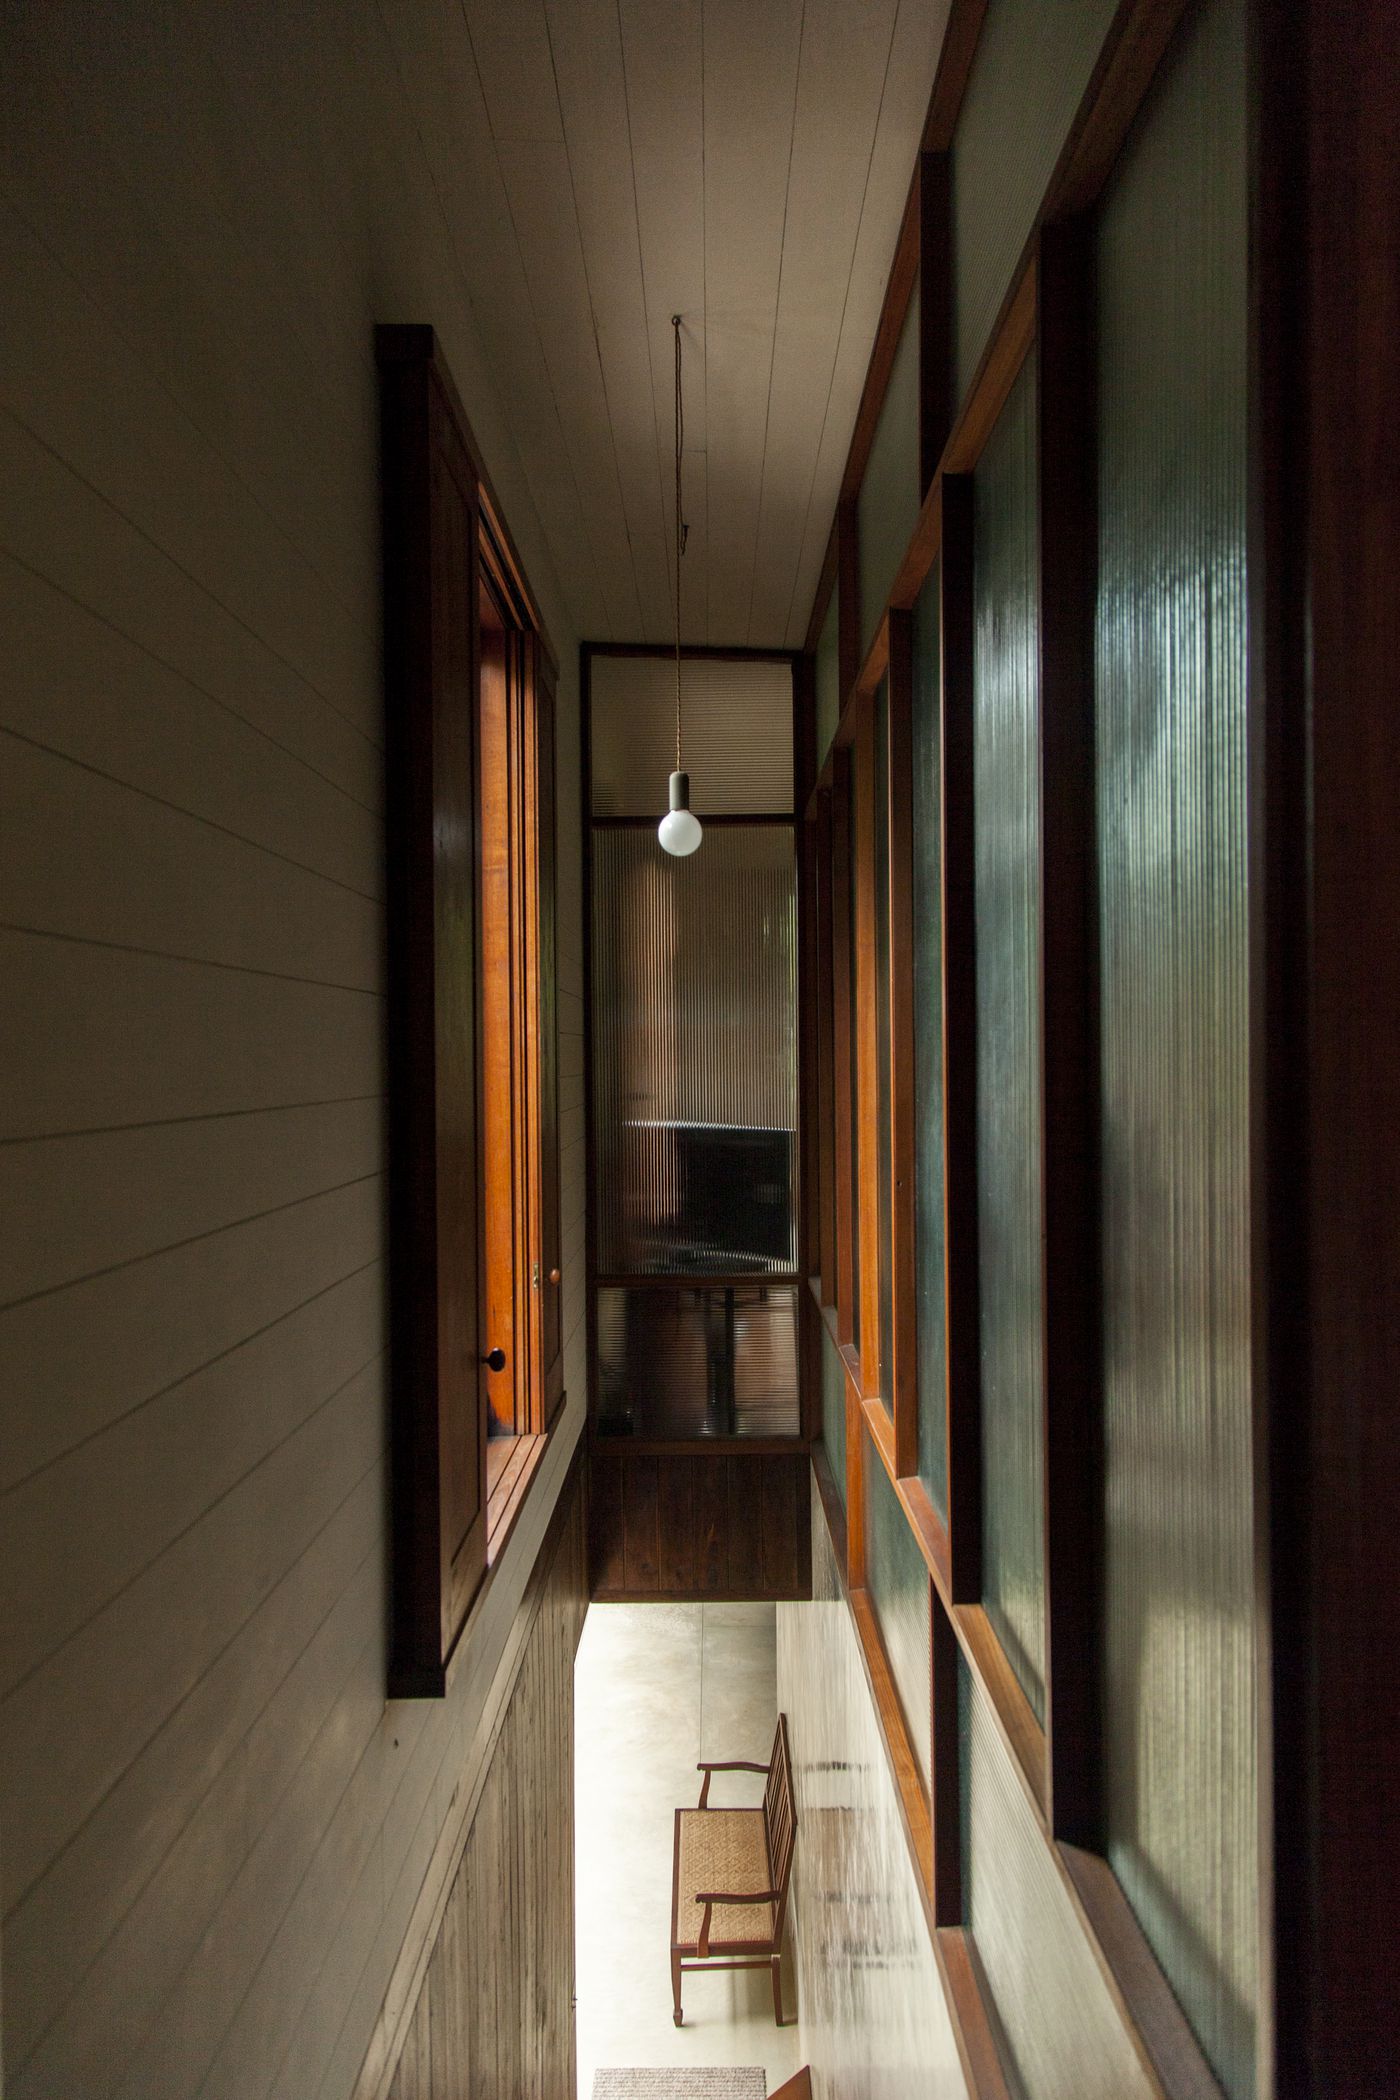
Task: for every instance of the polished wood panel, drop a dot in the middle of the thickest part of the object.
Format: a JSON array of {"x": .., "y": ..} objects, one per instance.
[
  {"x": 494, "y": 2011},
  {"x": 439, "y": 1434},
  {"x": 722, "y": 1525},
  {"x": 1325, "y": 759}
]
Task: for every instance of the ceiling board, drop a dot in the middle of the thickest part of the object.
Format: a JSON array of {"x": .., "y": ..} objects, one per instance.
[
  {"x": 750, "y": 86},
  {"x": 604, "y": 164},
  {"x": 587, "y": 45},
  {"x": 511, "y": 42},
  {"x": 845, "y": 64}
]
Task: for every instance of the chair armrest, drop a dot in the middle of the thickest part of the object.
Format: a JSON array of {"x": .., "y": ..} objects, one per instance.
[
  {"x": 735, "y": 1765},
  {"x": 702, "y": 1944},
  {"x": 753, "y": 1896}
]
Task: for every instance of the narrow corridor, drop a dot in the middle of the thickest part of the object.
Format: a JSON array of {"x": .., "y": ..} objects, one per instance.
[{"x": 659, "y": 1686}]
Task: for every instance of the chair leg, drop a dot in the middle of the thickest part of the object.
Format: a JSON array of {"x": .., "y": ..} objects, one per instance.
[
  {"x": 778, "y": 1990},
  {"x": 677, "y": 2015}
]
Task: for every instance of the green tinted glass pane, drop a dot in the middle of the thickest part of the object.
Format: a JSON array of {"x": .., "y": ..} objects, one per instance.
[
  {"x": 883, "y": 1085},
  {"x": 1059, "y": 2031},
  {"x": 1007, "y": 825},
  {"x": 928, "y": 1044},
  {"x": 1034, "y": 59},
  {"x": 853, "y": 1225},
  {"x": 828, "y": 680},
  {"x": 888, "y": 505},
  {"x": 897, "y": 1579},
  {"x": 1171, "y": 653},
  {"x": 834, "y": 1410}
]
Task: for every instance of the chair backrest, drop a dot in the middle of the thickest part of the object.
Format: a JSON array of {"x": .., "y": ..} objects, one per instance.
[{"x": 780, "y": 1815}]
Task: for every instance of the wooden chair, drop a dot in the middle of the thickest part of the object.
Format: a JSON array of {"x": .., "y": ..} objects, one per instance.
[{"x": 729, "y": 1879}]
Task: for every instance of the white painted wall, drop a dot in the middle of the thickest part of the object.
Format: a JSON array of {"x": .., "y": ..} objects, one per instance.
[{"x": 214, "y": 1827}]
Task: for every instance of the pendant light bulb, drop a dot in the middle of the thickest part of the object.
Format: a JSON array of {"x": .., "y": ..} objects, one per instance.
[{"x": 679, "y": 831}]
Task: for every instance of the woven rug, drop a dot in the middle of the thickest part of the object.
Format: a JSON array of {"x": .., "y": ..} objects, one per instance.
[{"x": 678, "y": 2082}]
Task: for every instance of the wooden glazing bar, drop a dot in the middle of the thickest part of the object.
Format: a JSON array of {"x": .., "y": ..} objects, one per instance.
[
  {"x": 965, "y": 18},
  {"x": 894, "y": 308},
  {"x": 874, "y": 1372},
  {"x": 1071, "y": 1311},
  {"x": 902, "y": 1385},
  {"x": 964, "y": 1405},
  {"x": 843, "y": 1067},
  {"x": 1139, "y": 1990},
  {"x": 968, "y": 1997},
  {"x": 1131, "y": 52},
  {"x": 936, "y": 294}
]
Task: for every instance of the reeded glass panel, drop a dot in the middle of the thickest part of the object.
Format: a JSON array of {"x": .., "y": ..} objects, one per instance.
[
  {"x": 691, "y": 1362},
  {"x": 1007, "y": 822},
  {"x": 849, "y": 1022},
  {"x": 887, "y": 508},
  {"x": 834, "y": 1410},
  {"x": 828, "y": 680},
  {"x": 884, "y": 1102},
  {"x": 928, "y": 1042},
  {"x": 1034, "y": 59},
  {"x": 1179, "y": 1631},
  {"x": 1060, "y": 2031},
  {"x": 695, "y": 1052},
  {"x": 898, "y": 1582},
  {"x": 737, "y": 721}
]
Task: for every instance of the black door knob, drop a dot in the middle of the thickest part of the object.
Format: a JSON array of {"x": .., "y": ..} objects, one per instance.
[{"x": 495, "y": 1360}]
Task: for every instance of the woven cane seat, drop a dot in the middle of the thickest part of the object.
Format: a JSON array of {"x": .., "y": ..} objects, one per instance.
[{"x": 722, "y": 1848}]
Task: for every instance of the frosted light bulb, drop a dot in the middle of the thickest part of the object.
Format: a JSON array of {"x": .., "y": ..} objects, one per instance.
[{"x": 678, "y": 831}]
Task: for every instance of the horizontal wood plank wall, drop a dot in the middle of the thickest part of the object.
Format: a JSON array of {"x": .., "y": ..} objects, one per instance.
[
  {"x": 216, "y": 1832},
  {"x": 494, "y": 2012},
  {"x": 699, "y": 1528}
]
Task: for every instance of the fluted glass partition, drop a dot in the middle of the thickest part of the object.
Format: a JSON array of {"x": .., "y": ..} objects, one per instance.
[
  {"x": 1007, "y": 820},
  {"x": 694, "y": 1054}
]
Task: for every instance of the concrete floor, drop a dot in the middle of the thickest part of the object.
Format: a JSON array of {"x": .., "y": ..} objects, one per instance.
[{"x": 659, "y": 1686}]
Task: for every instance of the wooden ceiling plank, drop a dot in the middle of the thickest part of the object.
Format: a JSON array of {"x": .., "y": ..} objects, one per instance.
[
  {"x": 593, "y": 100},
  {"x": 840, "y": 83},
  {"x": 750, "y": 84},
  {"x": 511, "y": 42},
  {"x": 538, "y": 186}
]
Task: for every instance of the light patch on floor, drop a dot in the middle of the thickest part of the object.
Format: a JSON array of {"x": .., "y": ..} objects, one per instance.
[{"x": 657, "y": 1688}]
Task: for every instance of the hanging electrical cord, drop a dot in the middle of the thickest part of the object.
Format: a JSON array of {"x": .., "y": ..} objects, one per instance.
[
  {"x": 679, "y": 831},
  {"x": 681, "y": 526}
]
